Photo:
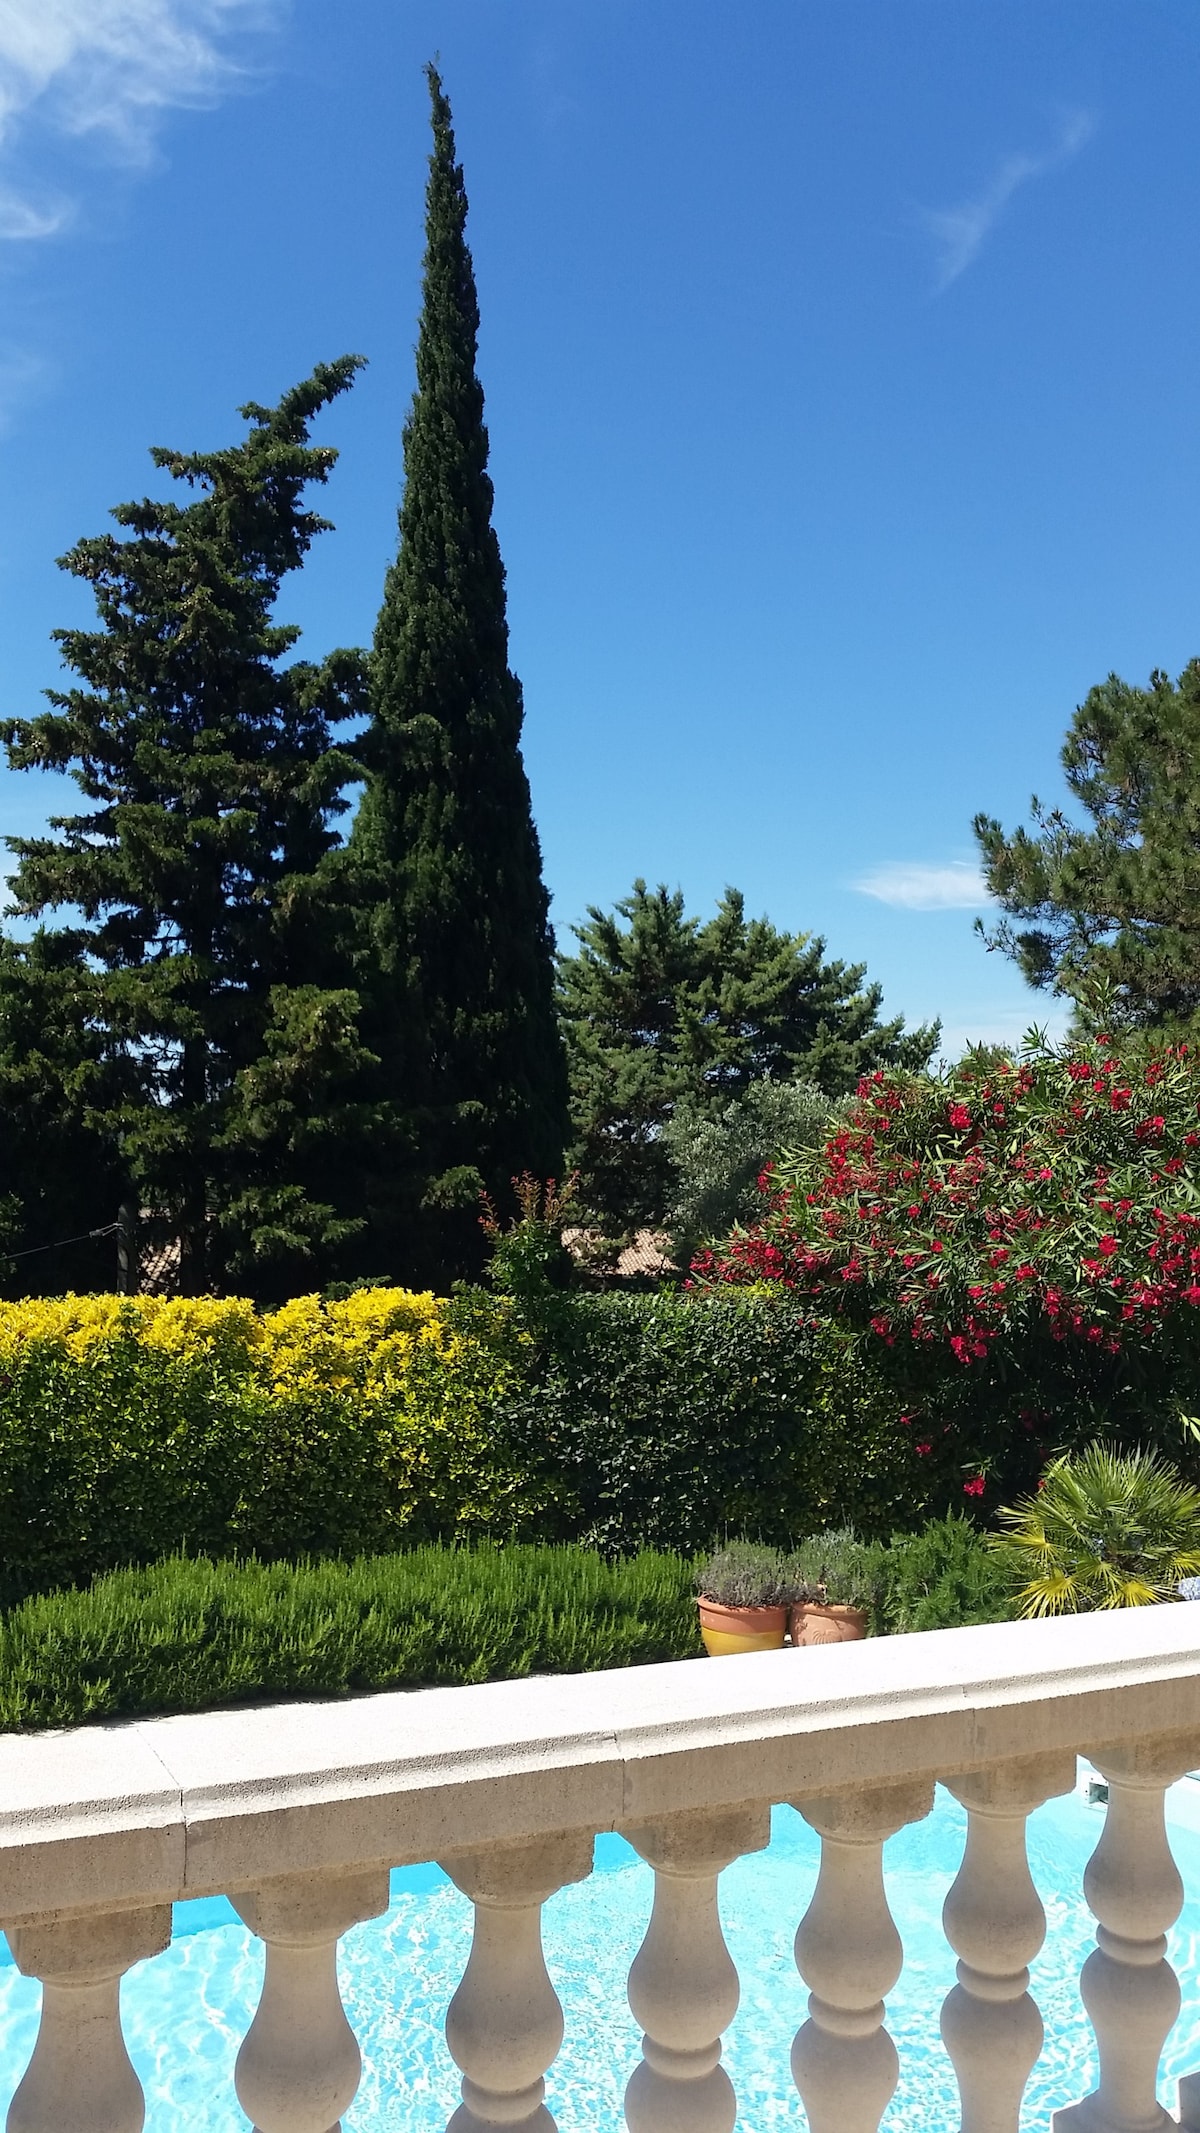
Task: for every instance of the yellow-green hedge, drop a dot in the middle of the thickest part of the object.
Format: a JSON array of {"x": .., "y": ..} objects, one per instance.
[{"x": 134, "y": 1427}]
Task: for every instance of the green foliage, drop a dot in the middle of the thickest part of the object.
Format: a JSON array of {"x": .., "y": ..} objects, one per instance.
[
  {"x": 943, "y": 1577},
  {"x": 839, "y": 1568},
  {"x": 59, "y": 1171},
  {"x": 182, "y": 993},
  {"x": 1115, "y": 901},
  {"x": 664, "y": 1423},
  {"x": 659, "y": 1010},
  {"x": 457, "y": 947},
  {"x": 528, "y": 1257},
  {"x": 744, "y": 1574},
  {"x": 130, "y": 1430},
  {"x": 1013, "y": 1247},
  {"x": 189, "y": 1635},
  {"x": 716, "y": 1158},
  {"x": 132, "y": 1451},
  {"x": 1107, "y": 1528},
  {"x": 667, "y": 1420}
]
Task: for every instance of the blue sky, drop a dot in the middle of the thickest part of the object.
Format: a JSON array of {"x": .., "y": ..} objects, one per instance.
[{"x": 840, "y": 367}]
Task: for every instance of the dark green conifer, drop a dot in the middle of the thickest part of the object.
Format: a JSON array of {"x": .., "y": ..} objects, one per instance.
[
  {"x": 662, "y": 1011},
  {"x": 61, "y": 1179},
  {"x": 218, "y": 1050},
  {"x": 1104, "y": 911},
  {"x": 444, "y": 844}
]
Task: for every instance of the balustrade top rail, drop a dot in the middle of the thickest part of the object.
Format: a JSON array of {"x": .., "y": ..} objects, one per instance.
[{"x": 141, "y": 1813}]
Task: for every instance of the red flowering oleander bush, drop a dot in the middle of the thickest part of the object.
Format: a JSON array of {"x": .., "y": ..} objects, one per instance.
[{"x": 1016, "y": 1245}]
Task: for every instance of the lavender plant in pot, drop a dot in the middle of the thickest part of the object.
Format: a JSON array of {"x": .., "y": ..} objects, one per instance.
[
  {"x": 744, "y": 1595},
  {"x": 835, "y": 1581}
]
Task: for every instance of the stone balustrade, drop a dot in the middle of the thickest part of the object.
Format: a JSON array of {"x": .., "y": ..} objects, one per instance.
[{"x": 297, "y": 1813}]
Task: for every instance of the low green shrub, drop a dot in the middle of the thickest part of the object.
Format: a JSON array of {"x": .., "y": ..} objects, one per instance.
[
  {"x": 1107, "y": 1528},
  {"x": 840, "y": 1568},
  {"x": 190, "y": 1635},
  {"x": 944, "y": 1577}
]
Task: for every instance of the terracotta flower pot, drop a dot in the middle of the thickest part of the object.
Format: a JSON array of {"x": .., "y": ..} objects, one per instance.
[
  {"x": 741, "y": 1629},
  {"x": 821, "y": 1622}
]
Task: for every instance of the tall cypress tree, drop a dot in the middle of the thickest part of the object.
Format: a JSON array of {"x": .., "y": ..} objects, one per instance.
[{"x": 444, "y": 842}]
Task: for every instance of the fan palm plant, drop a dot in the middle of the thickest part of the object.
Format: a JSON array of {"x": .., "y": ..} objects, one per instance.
[{"x": 1107, "y": 1528}]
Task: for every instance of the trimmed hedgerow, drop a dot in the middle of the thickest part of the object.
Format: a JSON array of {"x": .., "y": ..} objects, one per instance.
[
  {"x": 187, "y": 1635},
  {"x": 667, "y": 1420},
  {"x": 134, "y": 1428}
]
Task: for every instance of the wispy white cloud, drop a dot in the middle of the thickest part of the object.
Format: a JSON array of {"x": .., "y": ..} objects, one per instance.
[
  {"x": 918, "y": 885},
  {"x": 107, "y": 69},
  {"x": 22, "y": 218},
  {"x": 958, "y": 232}
]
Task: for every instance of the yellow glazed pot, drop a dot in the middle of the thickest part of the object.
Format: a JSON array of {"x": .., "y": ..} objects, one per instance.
[{"x": 741, "y": 1629}]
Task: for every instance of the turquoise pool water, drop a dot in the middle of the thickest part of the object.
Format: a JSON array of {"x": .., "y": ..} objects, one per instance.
[{"x": 186, "y": 2012}]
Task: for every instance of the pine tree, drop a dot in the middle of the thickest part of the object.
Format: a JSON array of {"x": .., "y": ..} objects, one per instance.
[
  {"x": 444, "y": 842},
  {"x": 660, "y": 1011},
  {"x": 60, "y": 1173},
  {"x": 192, "y": 883},
  {"x": 1111, "y": 911}
]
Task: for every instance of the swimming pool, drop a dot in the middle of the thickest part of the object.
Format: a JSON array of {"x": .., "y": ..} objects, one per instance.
[{"x": 186, "y": 2012}]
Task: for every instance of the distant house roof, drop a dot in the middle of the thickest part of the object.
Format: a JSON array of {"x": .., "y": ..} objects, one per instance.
[{"x": 649, "y": 1253}]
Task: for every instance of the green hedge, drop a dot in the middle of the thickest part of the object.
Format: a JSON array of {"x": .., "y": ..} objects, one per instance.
[
  {"x": 133, "y": 1432},
  {"x": 128, "y": 1434},
  {"x": 190, "y": 1635},
  {"x": 666, "y": 1420}
]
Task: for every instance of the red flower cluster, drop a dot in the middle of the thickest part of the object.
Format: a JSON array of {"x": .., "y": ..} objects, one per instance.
[{"x": 1055, "y": 1189}]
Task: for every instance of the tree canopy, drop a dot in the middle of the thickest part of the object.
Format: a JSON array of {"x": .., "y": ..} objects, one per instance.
[
  {"x": 718, "y": 1156},
  {"x": 1112, "y": 903},
  {"x": 60, "y": 1171},
  {"x": 459, "y": 947},
  {"x": 208, "y": 1028},
  {"x": 660, "y": 1008}
]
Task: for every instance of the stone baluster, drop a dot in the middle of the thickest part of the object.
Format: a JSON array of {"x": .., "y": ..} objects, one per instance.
[
  {"x": 80, "y": 2079},
  {"x": 683, "y": 1987},
  {"x": 1129, "y": 1989},
  {"x": 299, "y": 2064},
  {"x": 995, "y": 1924},
  {"x": 504, "y": 2024},
  {"x": 848, "y": 1951}
]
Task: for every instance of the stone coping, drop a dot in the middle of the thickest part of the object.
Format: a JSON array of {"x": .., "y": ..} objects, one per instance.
[{"x": 143, "y": 1812}]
